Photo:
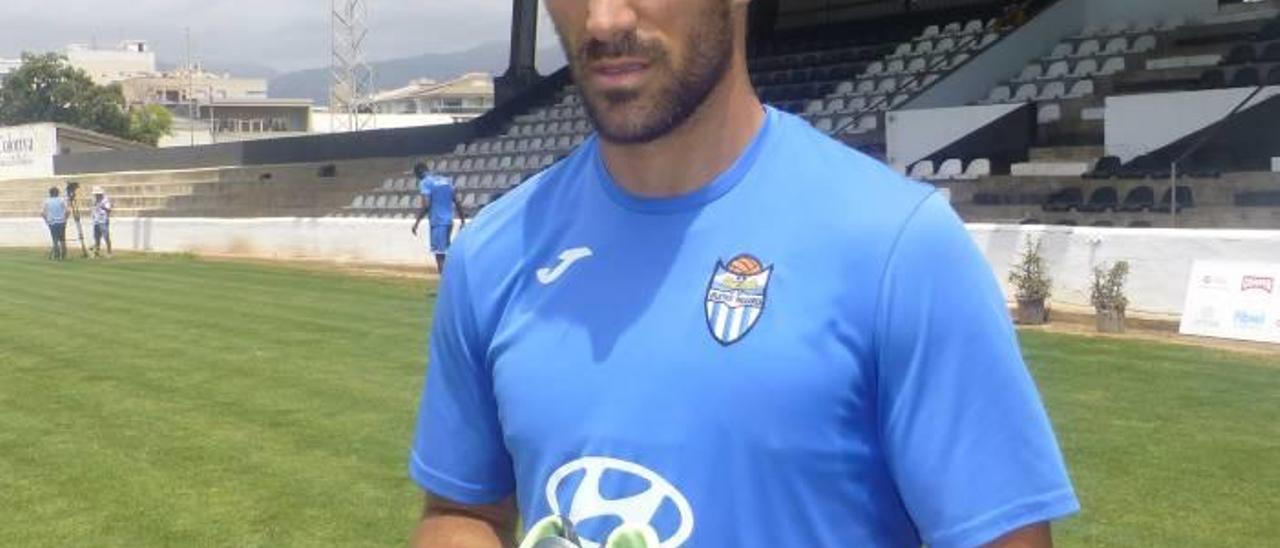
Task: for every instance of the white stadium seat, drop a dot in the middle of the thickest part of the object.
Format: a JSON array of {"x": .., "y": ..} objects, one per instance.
[
  {"x": 1143, "y": 44},
  {"x": 977, "y": 168},
  {"x": 1083, "y": 88},
  {"x": 1026, "y": 92},
  {"x": 931, "y": 31},
  {"x": 950, "y": 169},
  {"x": 999, "y": 94},
  {"x": 1059, "y": 69},
  {"x": 1116, "y": 46},
  {"x": 1085, "y": 69},
  {"x": 1088, "y": 48},
  {"x": 1048, "y": 113},
  {"x": 1030, "y": 72},
  {"x": 1111, "y": 66},
  {"x": 921, "y": 170}
]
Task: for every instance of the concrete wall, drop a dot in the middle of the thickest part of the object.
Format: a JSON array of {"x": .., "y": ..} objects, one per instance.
[{"x": 1161, "y": 259}]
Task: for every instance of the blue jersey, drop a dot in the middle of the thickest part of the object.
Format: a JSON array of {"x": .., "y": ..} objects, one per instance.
[
  {"x": 439, "y": 191},
  {"x": 55, "y": 210},
  {"x": 807, "y": 351}
]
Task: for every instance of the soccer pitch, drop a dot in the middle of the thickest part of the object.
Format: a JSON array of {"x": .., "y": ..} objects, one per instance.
[{"x": 166, "y": 401}]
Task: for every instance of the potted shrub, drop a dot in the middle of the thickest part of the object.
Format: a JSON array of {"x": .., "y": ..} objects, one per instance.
[
  {"x": 1108, "y": 298},
  {"x": 1032, "y": 285}
]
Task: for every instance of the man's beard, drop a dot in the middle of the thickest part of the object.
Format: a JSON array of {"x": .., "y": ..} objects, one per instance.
[{"x": 636, "y": 116}]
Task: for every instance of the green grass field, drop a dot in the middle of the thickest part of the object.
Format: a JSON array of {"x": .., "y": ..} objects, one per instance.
[{"x": 167, "y": 401}]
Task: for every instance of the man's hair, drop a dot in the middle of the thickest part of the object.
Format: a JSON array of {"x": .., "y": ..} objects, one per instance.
[
  {"x": 419, "y": 169},
  {"x": 53, "y": 192}
]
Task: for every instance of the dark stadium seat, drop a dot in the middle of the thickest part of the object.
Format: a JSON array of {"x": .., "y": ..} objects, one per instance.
[
  {"x": 1140, "y": 224},
  {"x": 1106, "y": 168},
  {"x": 1029, "y": 221},
  {"x": 1273, "y": 77},
  {"x": 1102, "y": 199},
  {"x": 1246, "y": 77},
  {"x": 1270, "y": 32},
  {"x": 1271, "y": 52},
  {"x": 1103, "y": 224},
  {"x": 986, "y": 198},
  {"x": 1213, "y": 79},
  {"x": 1185, "y": 199},
  {"x": 1242, "y": 54},
  {"x": 1066, "y": 199}
]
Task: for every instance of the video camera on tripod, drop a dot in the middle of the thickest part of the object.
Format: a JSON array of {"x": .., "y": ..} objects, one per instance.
[{"x": 73, "y": 188}]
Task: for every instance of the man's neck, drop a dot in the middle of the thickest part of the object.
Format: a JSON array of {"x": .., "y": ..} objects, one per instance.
[{"x": 693, "y": 154}]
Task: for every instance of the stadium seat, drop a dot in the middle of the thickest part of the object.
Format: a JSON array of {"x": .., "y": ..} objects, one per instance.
[
  {"x": 1106, "y": 168},
  {"x": 1212, "y": 79},
  {"x": 1049, "y": 113},
  {"x": 980, "y": 167},
  {"x": 951, "y": 168},
  {"x": 896, "y": 66},
  {"x": 921, "y": 170},
  {"x": 1116, "y": 46},
  {"x": 875, "y": 68},
  {"x": 844, "y": 88},
  {"x": 357, "y": 202},
  {"x": 1102, "y": 199},
  {"x": 1026, "y": 92},
  {"x": 1273, "y": 77},
  {"x": 856, "y": 104},
  {"x": 869, "y": 122},
  {"x": 1082, "y": 88},
  {"x": 923, "y": 47},
  {"x": 1085, "y": 69},
  {"x": 1184, "y": 199},
  {"x": 904, "y": 49},
  {"x": 1271, "y": 53},
  {"x": 823, "y": 124},
  {"x": 1246, "y": 77},
  {"x": 1029, "y": 73},
  {"x": 952, "y": 28},
  {"x": 865, "y": 87},
  {"x": 1240, "y": 55},
  {"x": 1057, "y": 71},
  {"x": 888, "y": 85},
  {"x": 815, "y": 106},
  {"x": 1143, "y": 44},
  {"x": 1066, "y": 199},
  {"x": 1052, "y": 91},
  {"x": 945, "y": 45},
  {"x": 917, "y": 65},
  {"x": 1088, "y": 48},
  {"x": 1138, "y": 199},
  {"x": 899, "y": 100},
  {"x": 974, "y": 26},
  {"x": 1113, "y": 65},
  {"x": 931, "y": 31}
]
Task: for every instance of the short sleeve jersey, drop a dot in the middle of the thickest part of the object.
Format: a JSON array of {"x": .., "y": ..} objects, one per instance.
[
  {"x": 439, "y": 190},
  {"x": 807, "y": 351}
]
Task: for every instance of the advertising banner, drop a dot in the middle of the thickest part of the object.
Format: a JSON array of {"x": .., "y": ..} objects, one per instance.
[{"x": 1233, "y": 301}]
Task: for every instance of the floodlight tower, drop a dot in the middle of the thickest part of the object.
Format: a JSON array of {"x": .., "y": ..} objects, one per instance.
[{"x": 351, "y": 78}]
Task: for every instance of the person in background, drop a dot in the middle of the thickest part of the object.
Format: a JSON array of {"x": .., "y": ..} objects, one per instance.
[
  {"x": 101, "y": 221},
  {"x": 54, "y": 213},
  {"x": 441, "y": 203}
]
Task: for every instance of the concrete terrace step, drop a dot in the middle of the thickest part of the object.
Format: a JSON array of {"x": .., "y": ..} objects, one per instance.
[{"x": 1088, "y": 154}]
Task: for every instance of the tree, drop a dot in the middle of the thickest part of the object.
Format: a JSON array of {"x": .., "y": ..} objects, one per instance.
[
  {"x": 148, "y": 123},
  {"x": 47, "y": 89}
]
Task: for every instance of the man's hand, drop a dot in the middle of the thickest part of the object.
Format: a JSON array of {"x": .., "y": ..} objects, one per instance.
[{"x": 447, "y": 524}]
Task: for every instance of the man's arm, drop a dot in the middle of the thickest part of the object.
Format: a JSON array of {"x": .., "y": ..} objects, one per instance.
[
  {"x": 457, "y": 207},
  {"x": 447, "y": 524},
  {"x": 1034, "y": 536},
  {"x": 422, "y": 213}
]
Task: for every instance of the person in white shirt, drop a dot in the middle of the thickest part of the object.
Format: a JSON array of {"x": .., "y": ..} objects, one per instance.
[{"x": 101, "y": 221}]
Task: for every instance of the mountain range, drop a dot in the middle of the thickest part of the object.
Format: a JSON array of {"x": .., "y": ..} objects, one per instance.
[{"x": 394, "y": 73}]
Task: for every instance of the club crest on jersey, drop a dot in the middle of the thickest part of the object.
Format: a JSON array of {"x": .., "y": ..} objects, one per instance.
[{"x": 736, "y": 297}]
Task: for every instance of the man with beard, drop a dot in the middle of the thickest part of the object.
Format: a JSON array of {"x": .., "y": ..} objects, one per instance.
[{"x": 713, "y": 326}]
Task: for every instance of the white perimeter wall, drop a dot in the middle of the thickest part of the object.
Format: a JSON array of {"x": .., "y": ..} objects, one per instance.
[{"x": 1161, "y": 258}]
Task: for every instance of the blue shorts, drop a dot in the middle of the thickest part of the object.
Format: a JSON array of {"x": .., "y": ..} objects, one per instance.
[{"x": 440, "y": 236}]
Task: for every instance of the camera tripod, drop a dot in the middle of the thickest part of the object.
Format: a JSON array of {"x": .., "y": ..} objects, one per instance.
[{"x": 72, "y": 188}]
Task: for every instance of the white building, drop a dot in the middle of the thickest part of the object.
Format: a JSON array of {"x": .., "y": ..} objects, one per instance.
[
  {"x": 130, "y": 58},
  {"x": 463, "y": 98}
]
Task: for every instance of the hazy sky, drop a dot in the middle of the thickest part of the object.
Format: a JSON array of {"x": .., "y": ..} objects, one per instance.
[{"x": 282, "y": 34}]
